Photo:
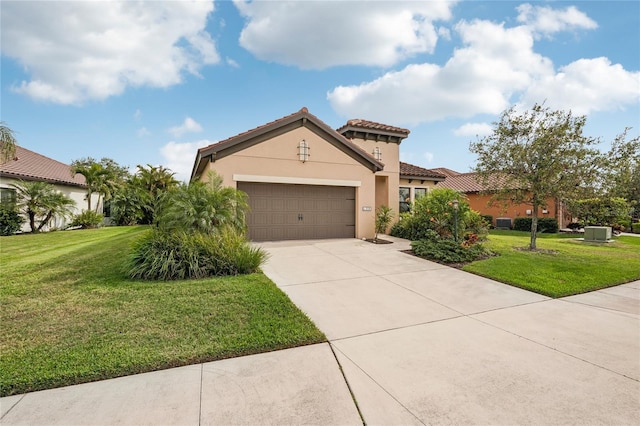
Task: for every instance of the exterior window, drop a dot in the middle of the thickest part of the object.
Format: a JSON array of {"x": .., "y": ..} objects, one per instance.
[
  {"x": 405, "y": 199},
  {"x": 7, "y": 196},
  {"x": 420, "y": 192}
]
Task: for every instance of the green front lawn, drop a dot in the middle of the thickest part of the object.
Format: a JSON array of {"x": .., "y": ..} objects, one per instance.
[
  {"x": 69, "y": 315},
  {"x": 570, "y": 266}
]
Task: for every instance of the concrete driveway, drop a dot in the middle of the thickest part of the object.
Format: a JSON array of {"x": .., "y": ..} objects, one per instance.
[
  {"x": 411, "y": 342},
  {"x": 422, "y": 343}
]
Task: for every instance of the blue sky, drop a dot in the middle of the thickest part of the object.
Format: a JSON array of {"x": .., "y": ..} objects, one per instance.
[{"x": 150, "y": 82}]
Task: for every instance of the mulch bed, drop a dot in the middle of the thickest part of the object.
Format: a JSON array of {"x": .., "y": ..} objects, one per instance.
[
  {"x": 378, "y": 241},
  {"x": 538, "y": 250}
]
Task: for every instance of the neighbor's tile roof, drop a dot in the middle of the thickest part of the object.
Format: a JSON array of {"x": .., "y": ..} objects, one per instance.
[
  {"x": 446, "y": 172},
  {"x": 29, "y": 165},
  {"x": 407, "y": 169},
  {"x": 372, "y": 125},
  {"x": 467, "y": 182}
]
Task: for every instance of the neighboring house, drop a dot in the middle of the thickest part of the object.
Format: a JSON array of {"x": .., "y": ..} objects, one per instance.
[
  {"x": 306, "y": 180},
  {"x": 31, "y": 166},
  {"x": 479, "y": 200}
]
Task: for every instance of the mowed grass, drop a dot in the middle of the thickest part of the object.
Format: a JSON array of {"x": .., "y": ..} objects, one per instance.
[
  {"x": 572, "y": 267},
  {"x": 69, "y": 315}
]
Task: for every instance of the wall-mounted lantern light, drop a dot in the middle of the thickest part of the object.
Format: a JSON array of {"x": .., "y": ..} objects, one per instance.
[
  {"x": 303, "y": 151},
  {"x": 377, "y": 154}
]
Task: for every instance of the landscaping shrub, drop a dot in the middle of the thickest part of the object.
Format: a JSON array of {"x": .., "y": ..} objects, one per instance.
[
  {"x": 10, "y": 220},
  {"x": 176, "y": 255},
  {"x": 600, "y": 211},
  {"x": 475, "y": 223},
  {"x": 87, "y": 219},
  {"x": 547, "y": 225},
  {"x": 636, "y": 228},
  {"x": 447, "y": 251},
  {"x": 433, "y": 212},
  {"x": 574, "y": 226},
  {"x": 489, "y": 219},
  {"x": 384, "y": 215}
]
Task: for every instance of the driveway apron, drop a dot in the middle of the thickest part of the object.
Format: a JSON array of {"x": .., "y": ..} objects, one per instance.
[{"x": 422, "y": 343}]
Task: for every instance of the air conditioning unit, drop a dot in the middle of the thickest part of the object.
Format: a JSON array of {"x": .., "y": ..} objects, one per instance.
[
  {"x": 503, "y": 223},
  {"x": 597, "y": 233}
]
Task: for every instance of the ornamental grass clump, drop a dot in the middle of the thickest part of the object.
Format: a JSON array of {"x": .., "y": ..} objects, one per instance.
[{"x": 199, "y": 233}]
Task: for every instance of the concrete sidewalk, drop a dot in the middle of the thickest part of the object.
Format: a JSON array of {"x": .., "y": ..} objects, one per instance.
[{"x": 415, "y": 342}]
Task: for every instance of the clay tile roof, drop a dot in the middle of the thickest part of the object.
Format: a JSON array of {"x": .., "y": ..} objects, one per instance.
[
  {"x": 304, "y": 115},
  {"x": 223, "y": 143},
  {"x": 366, "y": 124},
  {"x": 30, "y": 165},
  {"x": 373, "y": 128},
  {"x": 464, "y": 182},
  {"x": 446, "y": 172},
  {"x": 409, "y": 170}
]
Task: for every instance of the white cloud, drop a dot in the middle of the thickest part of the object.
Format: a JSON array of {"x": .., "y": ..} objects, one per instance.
[
  {"x": 137, "y": 115},
  {"x": 496, "y": 67},
  {"x": 179, "y": 157},
  {"x": 479, "y": 78},
  {"x": 322, "y": 34},
  {"x": 189, "y": 125},
  {"x": 232, "y": 63},
  {"x": 79, "y": 51},
  {"x": 474, "y": 129},
  {"x": 587, "y": 85},
  {"x": 428, "y": 156},
  {"x": 143, "y": 132},
  {"x": 546, "y": 20}
]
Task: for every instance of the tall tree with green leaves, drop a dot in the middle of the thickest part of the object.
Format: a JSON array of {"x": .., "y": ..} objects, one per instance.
[
  {"x": 536, "y": 155},
  {"x": 102, "y": 178},
  {"x": 8, "y": 143},
  {"x": 622, "y": 169},
  {"x": 41, "y": 202}
]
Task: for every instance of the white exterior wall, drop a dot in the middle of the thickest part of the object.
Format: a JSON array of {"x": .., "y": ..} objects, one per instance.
[{"x": 77, "y": 194}]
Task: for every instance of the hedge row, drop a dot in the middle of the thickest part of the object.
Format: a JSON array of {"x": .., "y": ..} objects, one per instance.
[{"x": 547, "y": 225}]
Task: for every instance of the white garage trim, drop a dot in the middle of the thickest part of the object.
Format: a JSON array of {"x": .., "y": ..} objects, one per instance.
[{"x": 296, "y": 180}]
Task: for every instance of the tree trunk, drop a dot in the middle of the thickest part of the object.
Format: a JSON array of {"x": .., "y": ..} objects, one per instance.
[
  {"x": 89, "y": 200},
  {"x": 534, "y": 227},
  {"x": 45, "y": 221},
  {"x": 32, "y": 220},
  {"x": 98, "y": 203}
]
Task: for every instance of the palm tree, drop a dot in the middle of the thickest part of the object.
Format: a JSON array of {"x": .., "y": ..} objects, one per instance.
[
  {"x": 102, "y": 178},
  {"x": 154, "y": 181},
  {"x": 8, "y": 143},
  {"x": 41, "y": 202},
  {"x": 203, "y": 207}
]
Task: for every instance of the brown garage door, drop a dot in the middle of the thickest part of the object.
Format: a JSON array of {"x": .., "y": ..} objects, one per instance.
[{"x": 299, "y": 212}]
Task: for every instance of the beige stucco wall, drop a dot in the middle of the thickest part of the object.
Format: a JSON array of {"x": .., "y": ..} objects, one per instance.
[
  {"x": 75, "y": 193},
  {"x": 276, "y": 160},
  {"x": 391, "y": 159}
]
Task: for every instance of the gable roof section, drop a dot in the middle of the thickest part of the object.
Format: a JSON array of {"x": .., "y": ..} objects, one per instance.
[
  {"x": 370, "y": 130},
  {"x": 30, "y": 165},
  {"x": 302, "y": 118},
  {"x": 446, "y": 172},
  {"x": 409, "y": 171}
]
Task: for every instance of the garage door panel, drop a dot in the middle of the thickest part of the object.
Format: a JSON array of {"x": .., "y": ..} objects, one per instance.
[{"x": 287, "y": 212}]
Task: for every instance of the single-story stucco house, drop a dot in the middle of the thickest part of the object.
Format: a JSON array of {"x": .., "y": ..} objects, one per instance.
[
  {"x": 480, "y": 200},
  {"x": 31, "y": 166},
  {"x": 306, "y": 180}
]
